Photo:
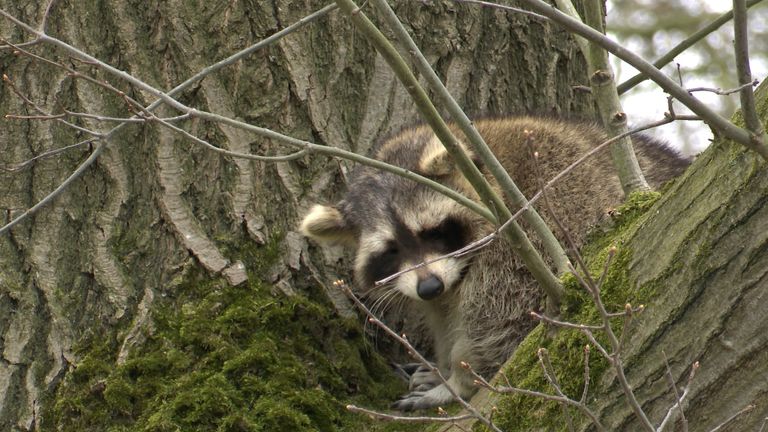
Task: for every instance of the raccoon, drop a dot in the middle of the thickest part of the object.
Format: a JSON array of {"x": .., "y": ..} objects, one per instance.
[{"x": 476, "y": 307}]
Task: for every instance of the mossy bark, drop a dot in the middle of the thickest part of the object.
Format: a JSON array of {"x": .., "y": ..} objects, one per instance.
[
  {"x": 703, "y": 249},
  {"x": 83, "y": 281},
  {"x": 698, "y": 262}
]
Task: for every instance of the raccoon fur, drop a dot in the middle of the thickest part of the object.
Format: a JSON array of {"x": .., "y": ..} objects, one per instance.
[{"x": 475, "y": 307}]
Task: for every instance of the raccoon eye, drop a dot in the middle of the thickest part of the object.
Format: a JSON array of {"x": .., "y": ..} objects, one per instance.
[
  {"x": 383, "y": 264},
  {"x": 448, "y": 236},
  {"x": 391, "y": 251}
]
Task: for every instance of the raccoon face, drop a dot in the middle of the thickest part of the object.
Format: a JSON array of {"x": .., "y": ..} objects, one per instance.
[
  {"x": 397, "y": 236},
  {"x": 401, "y": 246},
  {"x": 396, "y": 224}
]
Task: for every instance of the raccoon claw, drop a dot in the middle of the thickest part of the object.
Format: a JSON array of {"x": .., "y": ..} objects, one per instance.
[
  {"x": 419, "y": 376},
  {"x": 418, "y": 400},
  {"x": 410, "y": 368},
  {"x": 408, "y": 402},
  {"x": 423, "y": 379}
]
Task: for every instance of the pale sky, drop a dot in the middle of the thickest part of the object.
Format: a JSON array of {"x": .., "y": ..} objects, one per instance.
[{"x": 648, "y": 103}]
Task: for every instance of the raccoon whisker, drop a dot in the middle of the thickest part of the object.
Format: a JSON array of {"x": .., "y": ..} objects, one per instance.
[
  {"x": 376, "y": 309},
  {"x": 377, "y": 296},
  {"x": 383, "y": 303},
  {"x": 381, "y": 300},
  {"x": 374, "y": 293}
]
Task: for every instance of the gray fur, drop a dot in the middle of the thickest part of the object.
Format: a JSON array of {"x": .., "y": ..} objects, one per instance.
[{"x": 483, "y": 311}]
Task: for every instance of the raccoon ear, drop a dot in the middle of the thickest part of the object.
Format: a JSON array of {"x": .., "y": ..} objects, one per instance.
[
  {"x": 327, "y": 225},
  {"x": 437, "y": 162}
]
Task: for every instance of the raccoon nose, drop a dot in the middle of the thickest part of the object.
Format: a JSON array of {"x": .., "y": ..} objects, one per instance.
[{"x": 430, "y": 287}]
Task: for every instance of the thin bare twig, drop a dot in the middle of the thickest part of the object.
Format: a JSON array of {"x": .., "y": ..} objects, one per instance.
[
  {"x": 43, "y": 113},
  {"x": 722, "y": 92},
  {"x": 678, "y": 398},
  {"x": 585, "y": 391},
  {"x": 730, "y": 419},
  {"x": 564, "y": 324},
  {"x": 549, "y": 373},
  {"x": 281, "y": 158},
  {"x": 625, "y": 328},
  {"x": 596, "y": 344},
  {"x": 560, "y": 399},
  {"x": 715, "y": 120},
  {"x": 133, "y": 104},
  {"x": 27, "y": 163},
  {"x": 762, "y": 426},
  {"x": 408, "y": 419},
  {"x": 95, "y": 117},
  {"x": 611, "y": 253},
  {"x": 372, "y": 318},
  {"x": 673, "y": 116},
  {"x": 505, "y": 7},
  {"x": 634, "y": 310},
  {"x": 46, "y": 14},
  {"x": 469, "y": 248}
]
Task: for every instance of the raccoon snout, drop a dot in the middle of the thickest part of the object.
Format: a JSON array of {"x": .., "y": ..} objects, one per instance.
[{"x": 430, "y": 287}]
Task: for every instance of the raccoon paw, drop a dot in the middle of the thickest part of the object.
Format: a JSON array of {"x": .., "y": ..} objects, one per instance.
[
  {"x": 419, "y": 376},
  {"x": 423, "y": 379},
  {"x": 418, "y": 400}
]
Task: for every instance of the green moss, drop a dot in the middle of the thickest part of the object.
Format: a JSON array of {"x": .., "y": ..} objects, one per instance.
[
  {"x": 566, "y": 347},
  {"x": 223, "y": 358}
]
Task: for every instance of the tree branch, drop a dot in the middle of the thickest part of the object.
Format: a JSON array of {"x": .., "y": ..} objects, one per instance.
[
  {"x": 165, "y": 98},
  {"x": 549, "y": 283},
  {"x": 682, "y": 46},
  {"x": 609, "y": 106},
  {"x": 708, "y": 115},
  {"x": 744, "y": 73},
  {"x": 516, "y": 198}
]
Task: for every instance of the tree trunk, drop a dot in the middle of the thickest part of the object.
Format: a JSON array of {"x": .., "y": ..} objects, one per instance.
[
  {"x": 697, "y": 261},
  {"x": 157, "y": 217},
  {"x": 703, "y": 248}
]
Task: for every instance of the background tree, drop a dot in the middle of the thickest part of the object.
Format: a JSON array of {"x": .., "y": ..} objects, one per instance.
[
  {"x": 164, "y": 285},
  {"x": 652, "y": 29}
]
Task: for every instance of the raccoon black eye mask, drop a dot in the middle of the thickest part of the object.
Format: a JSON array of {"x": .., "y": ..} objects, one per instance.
[{"x": 476, "y": 310}]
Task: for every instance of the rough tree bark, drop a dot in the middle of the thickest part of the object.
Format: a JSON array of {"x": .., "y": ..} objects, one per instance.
[
  {"x": 703, "y": 249},
  {"x": 110, "y": 250},
  {"x": 697, "y": 262}
]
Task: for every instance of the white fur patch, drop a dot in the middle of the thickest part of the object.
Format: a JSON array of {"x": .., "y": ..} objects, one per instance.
[
  {"x": 326, "y": 224},
  {"x": 430, "y": 214},
  {"x": 407, "y": 283},
  {"x": 435, "y": 159},
  {"x": 371, "y": 243}
]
